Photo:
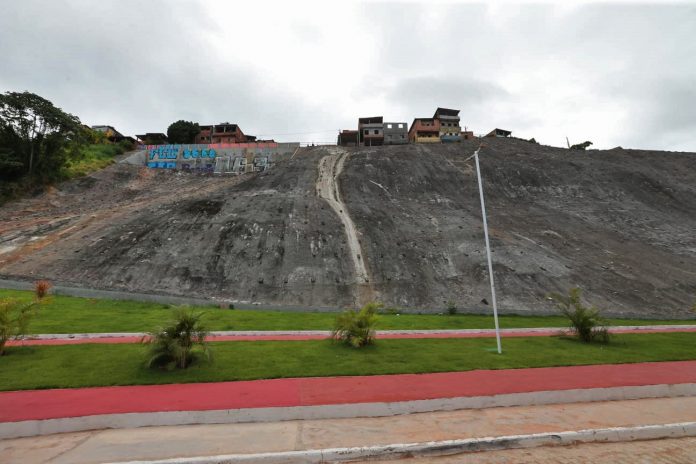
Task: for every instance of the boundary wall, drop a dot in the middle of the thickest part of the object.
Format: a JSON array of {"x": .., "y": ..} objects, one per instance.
[{"x": 231, "y": 158}]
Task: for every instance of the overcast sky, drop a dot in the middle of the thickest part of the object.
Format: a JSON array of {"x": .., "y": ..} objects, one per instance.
[{"x": 615, "y": 74}]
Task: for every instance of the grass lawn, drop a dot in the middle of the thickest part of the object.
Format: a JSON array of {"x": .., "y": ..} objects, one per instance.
[
  {"x": 66, "y": 314},
  {"x": 34, "y": 367}
]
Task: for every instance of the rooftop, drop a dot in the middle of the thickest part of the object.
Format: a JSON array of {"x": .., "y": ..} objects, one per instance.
[
  {"x": 371, "y": 120},
  {"x": 445, "y": 112}
]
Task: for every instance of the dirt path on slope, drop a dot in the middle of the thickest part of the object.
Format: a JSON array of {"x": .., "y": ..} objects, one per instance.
[{"x": 330, "y": 168}]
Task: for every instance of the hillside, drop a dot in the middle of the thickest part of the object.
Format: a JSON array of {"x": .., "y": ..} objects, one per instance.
[{"x": 335, "y": 227}]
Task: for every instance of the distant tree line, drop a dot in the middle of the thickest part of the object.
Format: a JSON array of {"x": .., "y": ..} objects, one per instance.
[
  {"x": 36, "y": 138},
  {"x": 38, "y": 141}
]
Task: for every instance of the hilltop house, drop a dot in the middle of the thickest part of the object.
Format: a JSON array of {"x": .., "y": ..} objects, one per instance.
[
  {"x": 221, "y": 133},
  {"x": 450, "y": 131},
  {"x": 347, "y": 138},
  {"x": 499, "y": 133},
  {"x": 371, "y": 131},
  {"x": 395, "y": 133},
  {"x": 424, "y": 130}
]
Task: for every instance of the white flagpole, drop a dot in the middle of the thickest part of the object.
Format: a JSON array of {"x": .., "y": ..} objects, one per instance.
[{"x": 488, "y": 251}]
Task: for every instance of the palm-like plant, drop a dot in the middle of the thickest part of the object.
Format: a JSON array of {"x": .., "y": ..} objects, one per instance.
[
  {"x": 586, "y": 322},
  {"x": 175, "y": 345},
  {"x": 357, "y": 328}
]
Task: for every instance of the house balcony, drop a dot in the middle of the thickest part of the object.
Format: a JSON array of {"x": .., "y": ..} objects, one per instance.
[
  {"x": 427, "y": 138},
  {"x": 451, "y": 138}
]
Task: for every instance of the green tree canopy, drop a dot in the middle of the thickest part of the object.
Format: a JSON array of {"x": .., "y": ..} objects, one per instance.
[
  {"x": 36, "y": 133},
  {"x": 182, "y": 131}
]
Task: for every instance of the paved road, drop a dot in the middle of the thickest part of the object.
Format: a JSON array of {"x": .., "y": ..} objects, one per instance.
[
  {"x": 207, "y": 440},
  {"x": 669, "y": 451}
]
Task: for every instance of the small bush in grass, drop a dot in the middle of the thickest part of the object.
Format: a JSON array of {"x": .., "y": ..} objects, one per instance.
[
  {"x": 451, "y": 308},
  {"x": 16, "y": 315},
  {"x": 180, "y": 343},
  {"x": 392, "y": 311},
  {"x": 585, "y": 322},
  {"x": 41, "y": 288},
  {"x": 357, "y": 328}
]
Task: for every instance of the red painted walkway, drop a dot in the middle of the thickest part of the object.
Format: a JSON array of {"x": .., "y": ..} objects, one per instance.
[
  {"x": 303, "y": 337},
  {"x": 58, "y": 403}
]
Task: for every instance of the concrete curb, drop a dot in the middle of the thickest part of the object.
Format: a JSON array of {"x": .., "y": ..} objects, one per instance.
[
  {"x": 264, "y": 333},
  {"x": 336, "y": 411},
  {"x": 448, "y": 447}
]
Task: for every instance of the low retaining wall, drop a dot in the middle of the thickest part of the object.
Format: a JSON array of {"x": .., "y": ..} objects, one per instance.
[{"x": 219, "y": 157}]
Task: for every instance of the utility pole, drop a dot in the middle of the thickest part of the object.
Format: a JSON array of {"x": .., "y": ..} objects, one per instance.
[{"x": 488, "y": 251}]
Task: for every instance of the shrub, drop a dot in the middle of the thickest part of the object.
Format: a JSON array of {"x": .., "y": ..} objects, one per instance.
[
  {"x": 357, "y": 328},
  {"x": 180, "y": 343},
  {"x": 585, "y": 322},
  {"x": 392, "y": 310},
  {"x": 41, "y": 288},
  {"x": 15, "y": 316},
  {"x": 451, "y": 308},
  {"x": 581, "y": 146},
  {"x": 125, "y": 145}
]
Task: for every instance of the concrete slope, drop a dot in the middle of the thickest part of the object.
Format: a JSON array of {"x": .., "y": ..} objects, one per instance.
[
  {"x": 619, "y": 223},
  {"x": 263, "y": 237}
]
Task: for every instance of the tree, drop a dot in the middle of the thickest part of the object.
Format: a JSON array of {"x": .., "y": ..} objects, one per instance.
[
  {"x": 581, "y": 146},
  {"x": 44, "y": 134},
  {"x": 183, "y": 131}
]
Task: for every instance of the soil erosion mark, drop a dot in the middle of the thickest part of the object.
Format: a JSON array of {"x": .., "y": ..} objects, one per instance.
[{"x": 330, "y": 167}]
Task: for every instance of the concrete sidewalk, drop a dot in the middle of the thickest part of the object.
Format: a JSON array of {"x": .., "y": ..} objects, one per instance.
[{"x": 208, "y": 440}]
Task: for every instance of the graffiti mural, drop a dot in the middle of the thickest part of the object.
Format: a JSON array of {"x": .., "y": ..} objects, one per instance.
[
  {"x": 170, "y": 152},
  {"x": 162, "y": 164},
  {"x": 219, "y": 158},
  {"x": 203, "y": 153}
]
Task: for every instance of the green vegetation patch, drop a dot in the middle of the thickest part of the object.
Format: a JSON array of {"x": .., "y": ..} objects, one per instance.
[
  {"x": 66, "y": 314},
  {"x": 35, "y": 367},
  {"x": 92, "y": 158}
]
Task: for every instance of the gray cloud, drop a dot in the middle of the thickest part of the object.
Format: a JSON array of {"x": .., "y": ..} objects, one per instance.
[
  {"x": 618, "y": 74},
  {"x": 422, "y": 92}
]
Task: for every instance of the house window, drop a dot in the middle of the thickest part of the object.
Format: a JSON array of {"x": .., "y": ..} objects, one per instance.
[
  {"x": 389, "y": 126},
  {"x": 376, "y": 131},
  {"x": 367, "y": 131}
]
